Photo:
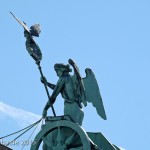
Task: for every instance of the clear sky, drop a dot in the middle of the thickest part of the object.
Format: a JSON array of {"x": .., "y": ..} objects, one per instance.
[{"x": 112, "y": 37}]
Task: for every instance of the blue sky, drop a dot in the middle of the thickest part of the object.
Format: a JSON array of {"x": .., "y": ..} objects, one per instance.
[{"x": 111, "y": 37}]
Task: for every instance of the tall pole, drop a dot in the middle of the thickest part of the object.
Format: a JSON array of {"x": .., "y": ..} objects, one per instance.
[
  {"x": 36, "y": 54},
  {"x": 48, "y": 95}
]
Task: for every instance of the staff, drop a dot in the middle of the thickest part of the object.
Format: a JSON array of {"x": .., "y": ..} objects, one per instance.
[{"x": 34, "y": 49}]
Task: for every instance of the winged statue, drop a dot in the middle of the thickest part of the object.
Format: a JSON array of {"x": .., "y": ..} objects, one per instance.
[{"x": 65, "y": 132}]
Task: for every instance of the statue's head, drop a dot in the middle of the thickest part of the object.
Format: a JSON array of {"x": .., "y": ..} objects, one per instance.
[{"x": 61, "y": 69}]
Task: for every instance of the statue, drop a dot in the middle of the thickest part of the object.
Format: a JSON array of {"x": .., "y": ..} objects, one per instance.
[
  {"x": 65, "y": 132},
  {"x": 65, "y": 86},
  {"x": 75, "y": 91}
]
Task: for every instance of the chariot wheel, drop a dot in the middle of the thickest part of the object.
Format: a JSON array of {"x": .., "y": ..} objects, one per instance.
[{"x": 60, "y": 133}]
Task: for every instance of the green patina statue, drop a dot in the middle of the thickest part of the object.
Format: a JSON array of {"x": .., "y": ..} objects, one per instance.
[
  {"x": 75, "y": 91},
  {"x": 66, "y": 86},
  {"x": 65, "y": 132}
]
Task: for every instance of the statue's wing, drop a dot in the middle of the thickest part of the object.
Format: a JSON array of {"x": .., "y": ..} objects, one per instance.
[
  {"x": 92, "y": 92},
  {"x": 78, "y": 84},
  {"x": 79, "y": 88}
]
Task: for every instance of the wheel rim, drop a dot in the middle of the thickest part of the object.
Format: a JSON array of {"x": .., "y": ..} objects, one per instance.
[{"x": 49, "y": 127}]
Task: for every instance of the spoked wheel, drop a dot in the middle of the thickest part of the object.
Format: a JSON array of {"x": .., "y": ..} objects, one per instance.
[{"x": 62, "y": 135}]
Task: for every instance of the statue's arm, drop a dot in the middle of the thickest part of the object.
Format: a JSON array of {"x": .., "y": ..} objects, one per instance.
[
  {"x": 55, "y": 93},
  {"x": 50, "y": 85}
]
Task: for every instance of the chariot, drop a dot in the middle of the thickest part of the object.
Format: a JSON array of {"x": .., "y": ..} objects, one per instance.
[{"x": 61, "y": 133}]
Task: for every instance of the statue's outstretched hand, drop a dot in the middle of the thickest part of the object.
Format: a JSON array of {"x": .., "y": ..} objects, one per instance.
[
  {"x": 44, "y": 114},
  {"x": 43, "y": 80}
]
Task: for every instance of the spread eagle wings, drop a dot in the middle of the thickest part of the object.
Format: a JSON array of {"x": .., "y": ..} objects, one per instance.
[{"x": 92, "y": 92}]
